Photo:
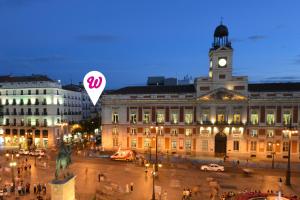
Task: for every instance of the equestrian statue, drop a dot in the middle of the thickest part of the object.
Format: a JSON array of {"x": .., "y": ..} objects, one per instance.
[{"x": 63, "y": 159}]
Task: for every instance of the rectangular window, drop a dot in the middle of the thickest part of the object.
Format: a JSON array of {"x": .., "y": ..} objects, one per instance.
[
  {"x": 147, "y": 131},
  {"x": 147, "y": 142},
  {"x": 222, "y": 76},
  {"x": 204, "y": 145},
  {"x": 269, "y": 146},
  {"x": 287, "y": 117},
  {"x": 160, "y": 117},
  {"x": 45, "y": 91},
  {"x": 270, "y": 133},
  {"x": 114, "y": 131},
  {"x": 29, "y": 92},
  {"x": 174, "y": 132},
  {"x": 146, "y": 117},
  {"x": 133, "y": 143},
  {"x": 22, "y": 92},
  {"x": 188, "y": 132},
  {"x": 133, "y": 131},
  {"x": 239, "y": 87},
  {"x": 188, "y": 118},
  {"x": 285, "y": 146},
  {"x": 205, "y": 117},
  {"x": 253, "y": 145},
  {"x": 174, "y": 144},
  {"x": 270, "y": 118},
  {"x": 220, "y": 118},
  {"x": 115, "y": 141},
  {"x": 36, "y": 91},
  {"x": 133, "y": 118},
  {"x": 188, "y": 144},
  {"x": 174, "y": 118},
  {"x": 236, "y": 118},
  {"x": 253, "y": 133},
  {"x": 115, "y": 118},
  {"x": 254, "y": 118},
  {"x": 236, "y": 145}
]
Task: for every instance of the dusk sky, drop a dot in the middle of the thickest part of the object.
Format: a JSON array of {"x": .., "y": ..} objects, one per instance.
[{"x": 130, "y": 40}]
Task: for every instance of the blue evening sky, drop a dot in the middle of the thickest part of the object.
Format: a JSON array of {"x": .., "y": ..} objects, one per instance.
[{"x": 128, "y": 40}]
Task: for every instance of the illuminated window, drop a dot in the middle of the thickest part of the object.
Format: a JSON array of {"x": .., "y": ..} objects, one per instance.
[
  {"x": 115, "y": 141},
  {"x": 160, "y": 117},
  {"x": 253, "y": 145},
  {"x": 174, "y": 144},
  {"x": 188, "y": 132},
  {"x": 114, "y": 131},
  {"x": 236, "y": 118},
  {"x": 133, "y": 143},
  {"x": 188, "y": 144},
  {"x": 287, "y": 117},
  {"x": 146, "y": 117},
  {"x": 269, "y": 146},
  {"x": 254, "y": 118},
  {"x": 133, "y": 118},
  {"x": 253, "y": 133},
  {"x": 147, "y": 142},
  {"x": 188, "y": 118},
  {"x": 174, "y": 132},
  {"x": 133, "y": 131},
  {"x": 285, "y": 146},
  {"x": 270, "y": 118},
  {"x": 205, "y": 117},
  {"x": 220, "y": 118},
  {"x": 147, "y": 131},
  {"x": 270, "y": 133},
  {"x": 115, "y": 117},
  {"x": 174, "y": 118}
]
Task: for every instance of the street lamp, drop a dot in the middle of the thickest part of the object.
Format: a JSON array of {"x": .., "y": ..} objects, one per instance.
[
  {"x": 13, "y": 164},
  {"x": 289, "y": 131},
  {"x": 154, "y": 174},
  {"x": 157, "y": 129}
]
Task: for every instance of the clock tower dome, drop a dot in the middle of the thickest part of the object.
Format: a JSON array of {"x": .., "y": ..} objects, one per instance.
[{"x": 220, "y": 56}]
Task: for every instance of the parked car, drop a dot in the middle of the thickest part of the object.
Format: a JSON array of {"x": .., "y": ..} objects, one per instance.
[
  {"x": 37, "y": 152},
  {"x": 212, "y": 167},
  {"x": 23, "y": 152}
]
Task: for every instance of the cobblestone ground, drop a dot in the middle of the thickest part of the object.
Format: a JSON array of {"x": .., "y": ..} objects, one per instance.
[{"x": 172, "y": 180}]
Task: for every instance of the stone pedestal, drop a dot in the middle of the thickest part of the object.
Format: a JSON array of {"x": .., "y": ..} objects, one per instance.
[{"x": 63, "y": 189}]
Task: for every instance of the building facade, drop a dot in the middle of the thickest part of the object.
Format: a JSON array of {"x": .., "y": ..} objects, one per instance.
[
  {"x": 35, "y": 110},
  {"x": 218, "y": 115}
]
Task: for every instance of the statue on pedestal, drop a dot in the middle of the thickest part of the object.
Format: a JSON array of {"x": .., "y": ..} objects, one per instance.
[{"x": 63, "y": 159}]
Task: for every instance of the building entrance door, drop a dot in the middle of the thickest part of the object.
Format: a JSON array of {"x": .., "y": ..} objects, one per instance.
[{"x": 220, "y": 144}]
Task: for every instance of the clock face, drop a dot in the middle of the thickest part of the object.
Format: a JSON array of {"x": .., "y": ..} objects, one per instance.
[{"x": 222, "y": 62}]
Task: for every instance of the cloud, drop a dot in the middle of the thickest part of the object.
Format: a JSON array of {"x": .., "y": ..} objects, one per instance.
[
  {"x": 98, "y": 38},
  {"x": 257, "y": 37}
]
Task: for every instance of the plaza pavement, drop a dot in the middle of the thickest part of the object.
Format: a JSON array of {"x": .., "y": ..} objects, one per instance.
[{"x": 172, "y": 179}]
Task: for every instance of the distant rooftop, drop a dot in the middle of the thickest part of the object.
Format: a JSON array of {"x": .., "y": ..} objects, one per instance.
[
  {"x": 151, "y": 89},
  {"x": 72, "y": 87},
  {"x": 32, "y": 78},
  {"x": 274, "y": 87}
]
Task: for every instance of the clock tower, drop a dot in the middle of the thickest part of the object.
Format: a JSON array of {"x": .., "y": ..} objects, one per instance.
[{"x": 220, "y": 56}]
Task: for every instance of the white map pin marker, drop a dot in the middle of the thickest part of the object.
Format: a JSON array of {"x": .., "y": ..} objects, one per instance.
[{"x": 94, "y": 83}]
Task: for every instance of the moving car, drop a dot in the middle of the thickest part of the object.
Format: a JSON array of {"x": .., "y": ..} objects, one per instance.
[
  {"x": 127, "y": 155},
  {"x": 212, "y": 167},
  {"x": 23, "y": 152}
]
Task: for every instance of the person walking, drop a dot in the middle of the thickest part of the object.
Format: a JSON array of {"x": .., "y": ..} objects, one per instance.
[
  {"x": 99, "y": 177},
  {"x": 86, "y": 172},
  {"x": 34, "y": 189},
  {"x": 131, "y": 186}
]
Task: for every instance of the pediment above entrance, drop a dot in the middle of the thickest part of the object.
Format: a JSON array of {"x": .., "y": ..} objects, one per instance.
[{"x": 222, "y": 94}]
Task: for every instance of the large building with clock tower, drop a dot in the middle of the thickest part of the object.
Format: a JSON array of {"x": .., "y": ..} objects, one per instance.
[{"x": 219, "y": 114}]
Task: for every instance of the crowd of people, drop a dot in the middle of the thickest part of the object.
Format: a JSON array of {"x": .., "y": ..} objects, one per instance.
[{"x": 19, "y": 186}]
